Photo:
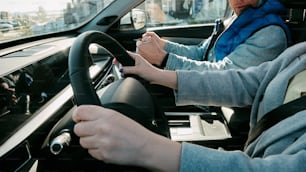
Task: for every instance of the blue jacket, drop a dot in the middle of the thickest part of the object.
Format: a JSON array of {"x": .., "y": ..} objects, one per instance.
[{"x": 250, "y": 21}]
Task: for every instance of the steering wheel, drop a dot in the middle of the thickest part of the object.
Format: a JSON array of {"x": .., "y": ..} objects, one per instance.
[{"x": 79, "y": 62}]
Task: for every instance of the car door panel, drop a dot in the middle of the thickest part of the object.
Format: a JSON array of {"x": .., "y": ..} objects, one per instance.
[{"x": 189, "y": 35}]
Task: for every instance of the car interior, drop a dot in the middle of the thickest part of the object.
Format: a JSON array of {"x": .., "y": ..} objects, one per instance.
[{"x": 38, "y": 130}]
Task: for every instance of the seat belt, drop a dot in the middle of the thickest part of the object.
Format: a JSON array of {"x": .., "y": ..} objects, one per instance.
[
  {"x": 218, "y": 29},
  {"x": 296, "y": 91},
  {"x": 273, "y": 117}
]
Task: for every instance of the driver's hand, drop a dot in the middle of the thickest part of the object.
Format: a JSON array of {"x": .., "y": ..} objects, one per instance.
[
  {"x": 114, "y": 138},
  {"x": 109, "y": 135},
  {"x": 141, "y": 68}
]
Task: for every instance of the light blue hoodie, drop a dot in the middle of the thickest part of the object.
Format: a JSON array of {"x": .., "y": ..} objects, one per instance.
[{"x": 281, "y": 147}]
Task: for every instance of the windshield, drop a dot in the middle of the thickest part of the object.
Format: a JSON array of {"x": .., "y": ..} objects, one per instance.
[{"x": 19, "y": 18}]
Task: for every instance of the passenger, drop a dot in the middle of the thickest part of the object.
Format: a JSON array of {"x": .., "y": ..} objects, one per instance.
[
  {"x": 114, "y": 138},
  {"x": 256, "y": 33}
]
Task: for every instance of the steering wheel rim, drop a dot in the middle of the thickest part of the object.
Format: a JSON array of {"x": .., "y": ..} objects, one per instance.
[{"x": 84, "y": 93}]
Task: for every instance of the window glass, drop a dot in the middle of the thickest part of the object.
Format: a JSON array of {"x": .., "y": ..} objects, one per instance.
[
  {"x": 183, "y": 12},
  {"x": 19, "y": 18}
]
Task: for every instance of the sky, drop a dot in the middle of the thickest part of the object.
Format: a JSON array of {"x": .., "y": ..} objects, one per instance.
[{"x": 32, "y": 5}]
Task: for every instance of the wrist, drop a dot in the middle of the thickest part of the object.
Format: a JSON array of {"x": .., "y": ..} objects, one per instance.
[
  {"x": 156, "y": 75},
  {"x": 161, "y": 154},
  {"x": 165, "y": 78},
  {"x": 163, "y": 43},
  {"x": 163, "y": 59},
  {"x": 147, "y": 155},
  {"x": 164, "y": 62}
]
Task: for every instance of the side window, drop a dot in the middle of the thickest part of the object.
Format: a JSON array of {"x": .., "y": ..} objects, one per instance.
[{"x": 182, "y": 12}]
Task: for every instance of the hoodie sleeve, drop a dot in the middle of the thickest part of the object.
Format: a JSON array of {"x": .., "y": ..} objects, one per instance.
[
  {"x": 219, "y": 88},
  {"x": 255, "y": 50},
  {"x": 195, "y": 158}
]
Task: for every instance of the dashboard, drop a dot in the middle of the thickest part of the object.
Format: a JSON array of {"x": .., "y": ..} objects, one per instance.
[{"x": 38, "y": 73}]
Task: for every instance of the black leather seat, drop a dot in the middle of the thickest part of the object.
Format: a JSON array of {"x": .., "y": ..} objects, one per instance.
[
  {"x": 294, "y": 3},
  {"x": 296, "y": 19}
]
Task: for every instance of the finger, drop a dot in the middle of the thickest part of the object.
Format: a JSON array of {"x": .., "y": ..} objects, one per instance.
[
  {"x": 89, "y": 142},
  {"x": 129, "y": 70},
  {"x": 86, "y": 113},
  {"x": 146, "y": 39},
  {"x": 96, "y": 153},
  {"x": 133, "y": 55},
  {"x": 149, "y": 34},
  {"x": 138, "y": 42},
  {"x": 83, "y": 129},
  {"x": 153, "y": 35},
  {"x": 146, "y": 34},
  {"x": 156, "y": 43}
]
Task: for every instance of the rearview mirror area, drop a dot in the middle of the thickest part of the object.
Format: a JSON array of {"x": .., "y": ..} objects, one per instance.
[
  {"x": 138, "y": 18},
  {"x": 134, "y": 20}
]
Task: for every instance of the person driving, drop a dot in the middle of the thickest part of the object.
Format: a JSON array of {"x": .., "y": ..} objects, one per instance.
[
  {"x": 243, "y": 43},
  {"x": 114, "y": 138}
]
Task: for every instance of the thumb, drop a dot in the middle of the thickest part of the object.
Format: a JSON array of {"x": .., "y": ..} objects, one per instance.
[
  {"x": 128, "y": 70},
  {"x": 150, "y": 34},
  {"x": 133, "y": 55},
  {"x": 147, "y": 34},
  {"x": 153, "y": 35}
]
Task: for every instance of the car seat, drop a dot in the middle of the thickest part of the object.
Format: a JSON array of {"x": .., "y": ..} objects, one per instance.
[{"x": 296, "y": 19}]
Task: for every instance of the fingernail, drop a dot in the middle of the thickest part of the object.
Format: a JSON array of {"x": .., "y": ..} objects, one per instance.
[{"x": 121, "y": 70}]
